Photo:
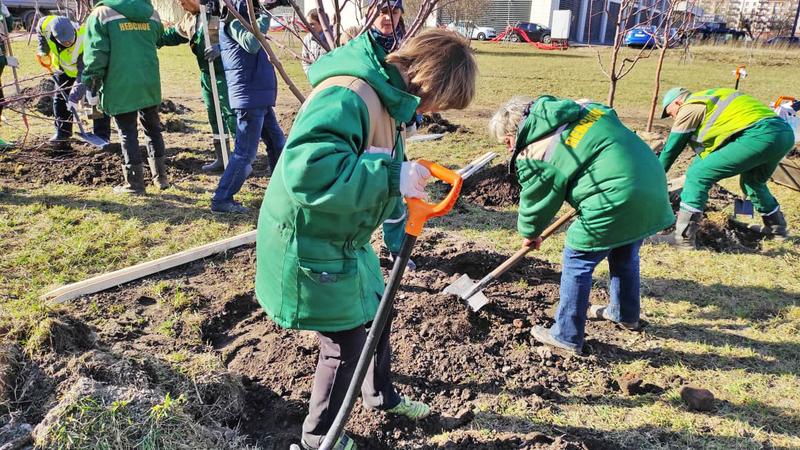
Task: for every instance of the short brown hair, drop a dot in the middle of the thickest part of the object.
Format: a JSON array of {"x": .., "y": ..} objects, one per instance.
[
  {"x": 441, "y": 69},
  {"x": 312, "y": 15}
]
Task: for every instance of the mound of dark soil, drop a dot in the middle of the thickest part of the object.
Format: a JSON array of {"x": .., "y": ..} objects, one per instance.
[
  {"x": 492, "y": 187},
  {"x": 168, "y": 106},
  {"x": 91, "y": 167},
  {"x": 435, "y": 123},
  {"x": 443, "y": 353},
  {"x": 717, "y": 231}
]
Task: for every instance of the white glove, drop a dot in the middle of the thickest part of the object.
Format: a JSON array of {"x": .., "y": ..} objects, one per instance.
[
  {"x": 12, "y": 61},
  {"x": 72, "y": 106},
  {"x": 413, "y": 178},
  {"x": 92, "y": 100}
]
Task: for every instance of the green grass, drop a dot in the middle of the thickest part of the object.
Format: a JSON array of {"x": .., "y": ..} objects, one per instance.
[{"x": 725, "y": 321}]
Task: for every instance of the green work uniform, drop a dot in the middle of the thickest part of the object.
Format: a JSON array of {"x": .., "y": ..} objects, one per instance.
[
  {"x": 120, "y": 55},
  {"x": 584, "y": 155},
  {"x": 174, "y": 36},
  {"x": 315, "y": 266},
  {"x": 732, "y": 134}
]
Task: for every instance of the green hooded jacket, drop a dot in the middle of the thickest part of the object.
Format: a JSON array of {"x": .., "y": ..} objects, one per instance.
[
  {"x": 585, "y": 156},
  {"x": 315, "y": 267},
  {"x": 120, "y": 56}
]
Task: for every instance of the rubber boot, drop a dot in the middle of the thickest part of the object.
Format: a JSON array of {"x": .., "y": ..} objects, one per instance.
[
  {"x": 217, "y": 166},
  {"x": 685, "y": 235},
  {"x": 134, "y": 180},
  {"x": 158, "y": 169},
  {"x": 774, "y": 225},
  {"x": 59, "y": 141}
]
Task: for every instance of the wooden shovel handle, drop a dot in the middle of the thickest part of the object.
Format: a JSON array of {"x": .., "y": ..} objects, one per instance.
[{"x": 510, "y": 262}]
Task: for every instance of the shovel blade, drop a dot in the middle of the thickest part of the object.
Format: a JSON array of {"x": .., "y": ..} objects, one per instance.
[
  {"x": 461, "y": 287},
  {"x": 93, "y": 139}
]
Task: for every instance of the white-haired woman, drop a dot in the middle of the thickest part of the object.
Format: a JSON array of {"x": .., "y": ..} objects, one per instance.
[{"x": 582, "y": 154}]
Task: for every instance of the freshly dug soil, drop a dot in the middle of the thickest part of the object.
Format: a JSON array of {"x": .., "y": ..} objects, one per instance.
[
  {"x": 88, "y": 166},
  {"x": 435, "y": 123},
  {"x": 717, "y": 231},
  {"x": 444, "y": 354},
  {"x": 169, "y": 106},
  {"x": 492, "y": 187}
]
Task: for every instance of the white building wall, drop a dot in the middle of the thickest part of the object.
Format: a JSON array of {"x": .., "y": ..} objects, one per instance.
[{"x": 542, "y": 11}]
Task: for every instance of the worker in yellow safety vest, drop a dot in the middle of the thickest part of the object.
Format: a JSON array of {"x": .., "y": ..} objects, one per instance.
[
  {"x": 61, "y": 52},
  {"x": 732, "y": 134}
]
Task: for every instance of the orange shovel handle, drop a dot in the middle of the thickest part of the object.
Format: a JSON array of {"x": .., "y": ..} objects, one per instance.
[
  {"x": 780, "y": 100},
  {"x": 420, "y": 211}
]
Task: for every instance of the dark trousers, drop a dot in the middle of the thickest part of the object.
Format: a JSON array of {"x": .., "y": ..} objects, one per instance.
[
  {"x": 338, "y": 356},
  {"x": 63, "y": 122},
  {"x": 129, "y": 134},
  {"x": 252, "y": 125}
]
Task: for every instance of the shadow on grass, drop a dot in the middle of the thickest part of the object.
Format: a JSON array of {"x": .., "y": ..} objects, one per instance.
[
  {"x": 757, "y": 414},
  {"x": 745, "y": 302},
  {"x": 174, "y": 209},
  {"x": 647, "y": 436}
]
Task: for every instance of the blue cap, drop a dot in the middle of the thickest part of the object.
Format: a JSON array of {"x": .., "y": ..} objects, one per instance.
[
  {"x": 62, "y": 31},
  {"x": 670, "y": 97},
  {"x": 396, "y": 4}
]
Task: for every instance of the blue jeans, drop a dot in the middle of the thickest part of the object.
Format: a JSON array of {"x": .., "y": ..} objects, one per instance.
[
  {"x": 252, "y": 124},
  {"x": 576, "y": 282}
]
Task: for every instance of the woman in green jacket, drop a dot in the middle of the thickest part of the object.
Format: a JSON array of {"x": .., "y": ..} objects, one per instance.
[
  {"x": 340, "y": 176},
  {"x": 582, "y": 154}
]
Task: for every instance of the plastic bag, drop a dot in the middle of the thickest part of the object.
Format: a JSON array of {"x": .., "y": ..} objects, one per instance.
[{"x": 787, "y": 113}]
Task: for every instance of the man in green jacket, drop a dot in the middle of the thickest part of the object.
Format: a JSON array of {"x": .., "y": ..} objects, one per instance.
[
  {"x": 582, "y": 154},
  {"x": 340, "y": 176},
  {"x": 731, "y": 133},
  {"x": 122, "y": 69},
  {"x": 189, "y": 31}
]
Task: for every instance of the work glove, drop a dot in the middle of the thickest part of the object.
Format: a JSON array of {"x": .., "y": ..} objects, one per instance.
[
  {"x": 45, "y": 61},
  {"x": 92, "y": 99},
  {"x": 536, "y": 242},
  {"x": 77, "y": 92},
  {"x": 212, "y": 53},
  {"x": 12, "y": 61},
  {"x": 413, "y": 178}
]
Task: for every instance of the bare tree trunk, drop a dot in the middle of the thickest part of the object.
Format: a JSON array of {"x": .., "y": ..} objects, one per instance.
[
  {"x": 326, "y": 24},
  {"x": 657, "y": 87},
  {"x": 612, "y": 75}
]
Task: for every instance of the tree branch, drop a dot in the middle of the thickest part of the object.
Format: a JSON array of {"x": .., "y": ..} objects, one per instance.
[{"x": 252, "y": 27}]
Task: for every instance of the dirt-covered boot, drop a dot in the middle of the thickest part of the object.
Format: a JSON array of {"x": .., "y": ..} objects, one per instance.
[
  {"x": 134, "y": 180},
  {"x": 216, "y": 166},
  {"x": 685, "y": 235},
  {"x": 158, "y": 169},
  {"x": 774, "y": 225},
  {"x": 59, "y": 141}
]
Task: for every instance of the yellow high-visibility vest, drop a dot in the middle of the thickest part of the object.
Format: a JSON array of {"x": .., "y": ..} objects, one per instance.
[
  {"x": 67, "y": 59},
  {"x": 728, "y": 112}
]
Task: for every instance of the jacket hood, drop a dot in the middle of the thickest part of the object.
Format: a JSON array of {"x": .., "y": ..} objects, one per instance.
[
  {"x": 135, "y": 10},
  {"x": 363, "y": 58},
  {"x": 547, "y": 113}
]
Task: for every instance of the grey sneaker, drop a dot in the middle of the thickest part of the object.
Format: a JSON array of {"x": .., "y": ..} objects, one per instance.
[
  {"x": 542, "y": 334},
  {"x": 599, "y": 312},
  {"x": 231, "y": 207}
]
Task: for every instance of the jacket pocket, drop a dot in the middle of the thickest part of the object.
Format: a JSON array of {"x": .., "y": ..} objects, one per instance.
[{"x": 329, "y": 292}]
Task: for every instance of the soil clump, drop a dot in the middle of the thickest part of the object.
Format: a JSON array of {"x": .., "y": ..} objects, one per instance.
[
  {"x": 444, "y": 354},
  {"x": 492, "y": 187}
]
